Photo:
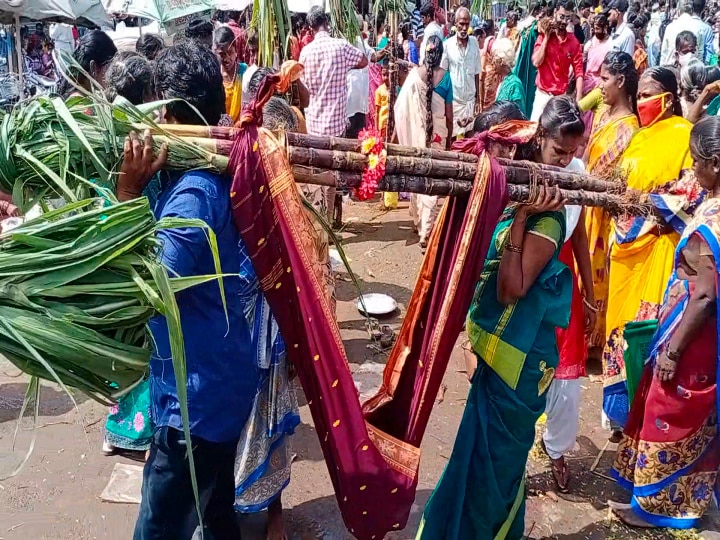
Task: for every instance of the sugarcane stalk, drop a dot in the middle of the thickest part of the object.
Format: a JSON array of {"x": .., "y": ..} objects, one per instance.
[
  {"x": 517, "y": 172},
  {"x": 437, "y": 165},
  {"x": 615, "y": 204}
]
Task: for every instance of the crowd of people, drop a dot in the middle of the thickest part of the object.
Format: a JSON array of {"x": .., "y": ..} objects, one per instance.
[{"x": 628, "y": 93}]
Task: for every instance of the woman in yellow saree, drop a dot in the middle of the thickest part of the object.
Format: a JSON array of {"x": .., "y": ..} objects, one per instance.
[
  {"x": 641, "y": 258},
  {"x": 232, "y": 72},
  {"x": 614, "y": 124}
]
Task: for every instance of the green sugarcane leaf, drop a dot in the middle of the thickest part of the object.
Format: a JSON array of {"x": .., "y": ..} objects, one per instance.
[
  {"x": 32, "y": 392},
  {"x": 39, "y": 165},
  {"x": 177, "y": 347}
]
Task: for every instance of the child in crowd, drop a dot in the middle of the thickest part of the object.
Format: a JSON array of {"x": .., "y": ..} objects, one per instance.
[{"x": 382, "y": 113}]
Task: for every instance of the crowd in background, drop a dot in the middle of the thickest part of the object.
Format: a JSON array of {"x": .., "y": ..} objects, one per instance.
[{"x": 615, "y": 89}]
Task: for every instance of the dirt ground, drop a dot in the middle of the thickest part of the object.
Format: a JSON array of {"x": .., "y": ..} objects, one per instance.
[{"x": 57, "y": 493}]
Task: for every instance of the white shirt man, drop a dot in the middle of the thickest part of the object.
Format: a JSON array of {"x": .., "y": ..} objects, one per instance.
[
  {"x": 622, "y": 37},
  {"x": 461, "y": 57},
  {"x": 703, "y": 32},
  {"x": 358, "y": 84}
]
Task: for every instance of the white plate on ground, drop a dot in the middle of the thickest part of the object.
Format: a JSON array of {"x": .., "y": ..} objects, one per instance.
[{"x": 377, "y": 304}]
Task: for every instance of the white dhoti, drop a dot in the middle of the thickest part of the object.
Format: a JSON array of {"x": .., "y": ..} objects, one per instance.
[
  {"x": 424, "y": 210},
  {"x": 541, "y": 100},
  {"x": 463, "y": 116},
  {"x": 563, "y": 417}
]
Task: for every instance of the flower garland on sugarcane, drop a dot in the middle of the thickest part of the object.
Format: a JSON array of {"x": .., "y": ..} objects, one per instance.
[{"x": 373, "y": 146}]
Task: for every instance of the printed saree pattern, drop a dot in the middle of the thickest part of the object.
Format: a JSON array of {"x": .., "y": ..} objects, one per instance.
[
  {"x": 372, "y": 453},
  {"x": 670, "y": 452}
]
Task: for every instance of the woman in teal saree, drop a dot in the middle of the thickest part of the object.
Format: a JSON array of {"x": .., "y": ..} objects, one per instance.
[{"x": 522, "y": 296}]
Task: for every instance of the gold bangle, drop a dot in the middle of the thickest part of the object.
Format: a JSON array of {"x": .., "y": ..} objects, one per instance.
[{"x": 512, "y": 247}]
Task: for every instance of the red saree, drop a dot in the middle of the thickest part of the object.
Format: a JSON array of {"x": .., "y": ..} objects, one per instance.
[
  {"x": 372, "y": 452},
  {"x": 571, "y": 340}
]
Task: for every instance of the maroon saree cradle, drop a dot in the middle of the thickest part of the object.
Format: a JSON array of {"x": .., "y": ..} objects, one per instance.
[{"x": 372, "y": 451}]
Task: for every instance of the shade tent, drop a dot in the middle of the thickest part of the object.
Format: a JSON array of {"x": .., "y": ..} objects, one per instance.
[
  {"x": 161, "y": 11},
  {"x": 67, "y": 11}
]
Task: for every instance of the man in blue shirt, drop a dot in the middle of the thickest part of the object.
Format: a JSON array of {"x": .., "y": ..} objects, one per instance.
[{"x": 221, "y": 372}]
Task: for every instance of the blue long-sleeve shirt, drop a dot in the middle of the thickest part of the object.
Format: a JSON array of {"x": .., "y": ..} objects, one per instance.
[{"x": 221, "y": 367}]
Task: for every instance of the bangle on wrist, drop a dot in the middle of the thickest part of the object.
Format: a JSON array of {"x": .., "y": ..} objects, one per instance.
[
  {"x": 591, "y": 307},
  {"x": 672, "y": 355},
  {"x": 509, "y": 246}
]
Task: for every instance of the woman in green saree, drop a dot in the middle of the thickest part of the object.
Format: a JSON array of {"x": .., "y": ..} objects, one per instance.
[{"x": 522, "y": 295}]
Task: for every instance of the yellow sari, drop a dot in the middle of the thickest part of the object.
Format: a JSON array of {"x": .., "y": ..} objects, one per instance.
[
  {"x": 233, "y": 98},
  {"x": 641, "y": 258},
  {"x": 605, "y": 148}
]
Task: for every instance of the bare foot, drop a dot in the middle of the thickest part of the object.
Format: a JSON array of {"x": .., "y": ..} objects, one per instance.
[
  {"x": 275, "y": 526},
  {"x": 628, "y": 517}
]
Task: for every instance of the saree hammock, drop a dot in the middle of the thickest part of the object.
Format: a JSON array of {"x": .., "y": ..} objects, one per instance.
[{"x": 372, "y": 450}]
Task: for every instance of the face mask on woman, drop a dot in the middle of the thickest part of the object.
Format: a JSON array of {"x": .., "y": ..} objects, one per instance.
[{"x": 651, "y": 109}]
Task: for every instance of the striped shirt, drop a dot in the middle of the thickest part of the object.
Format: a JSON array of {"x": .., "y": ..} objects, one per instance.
[{"x": 417, "y": 25}]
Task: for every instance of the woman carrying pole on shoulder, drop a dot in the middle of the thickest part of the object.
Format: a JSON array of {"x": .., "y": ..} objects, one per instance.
[{"x": 523, "y": 285}]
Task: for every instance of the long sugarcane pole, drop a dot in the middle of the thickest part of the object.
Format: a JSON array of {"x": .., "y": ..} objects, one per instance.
[
  {"x": 613, "y": 203},
  {"x": 516, "y": 172},
  {"x": 331, "y": 153}
]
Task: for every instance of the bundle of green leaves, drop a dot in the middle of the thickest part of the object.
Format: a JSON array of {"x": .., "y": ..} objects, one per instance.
[{"x": 78, "y": 286}]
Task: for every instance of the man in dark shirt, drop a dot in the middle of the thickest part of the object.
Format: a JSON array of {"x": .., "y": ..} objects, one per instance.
[{"x": 221, "y": 373}]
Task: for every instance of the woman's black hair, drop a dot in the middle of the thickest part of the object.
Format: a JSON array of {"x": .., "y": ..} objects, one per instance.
[
  {"x": 640, "y": 22},
  {"x": 561, "y": 117},
  {"x": 223, "y": 36},
  {"x": 497, "y": 113},
  {"x": 277, "y": 115},
  {"x": 149, "y": 45},
  {"x": 433, "y": 56},
  {"x": 190, "y": 72},
  {"x": 129, "y": 75},
  {"x": 705, "y": 137},
  {"x": 94, "y": 47},
  {"x": 666, "y": 78},
  {"x": 621, "y": 63},
  {"x": 200, "y": 30},
  {"x": 254, "y": 83},
  {"x": 696, "y": 76}
]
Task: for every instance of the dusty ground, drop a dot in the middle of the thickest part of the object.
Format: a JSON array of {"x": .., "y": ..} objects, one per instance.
[{"x": 56, "y": 495}]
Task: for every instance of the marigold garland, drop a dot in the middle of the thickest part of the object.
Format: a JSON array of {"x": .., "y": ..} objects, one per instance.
[{"x": 373, "y": 146}]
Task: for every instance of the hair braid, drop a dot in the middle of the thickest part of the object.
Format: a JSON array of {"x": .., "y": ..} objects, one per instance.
[{"x": 433, "y": 56}]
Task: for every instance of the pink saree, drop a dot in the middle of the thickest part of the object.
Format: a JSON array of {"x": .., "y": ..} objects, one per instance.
[{"x": 372, "y": 451}]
